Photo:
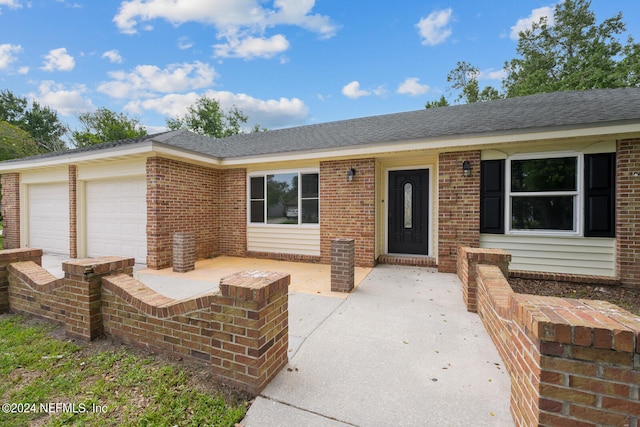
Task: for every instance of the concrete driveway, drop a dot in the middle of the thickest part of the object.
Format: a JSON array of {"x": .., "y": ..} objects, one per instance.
[{"x": 400, "y": 350}]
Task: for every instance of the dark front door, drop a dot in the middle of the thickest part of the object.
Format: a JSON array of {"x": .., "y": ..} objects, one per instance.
[{"x": 409, "y": 211}]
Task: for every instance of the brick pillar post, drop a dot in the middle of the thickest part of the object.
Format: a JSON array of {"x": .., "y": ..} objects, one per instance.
[
  {"x": 184, "y": 252},
  {"x": 7, "y": 257},
  {"x": 458, "y": 206},
  {"x": 627, "y": 212},
  {"x": 83, "y": 279},
  {"x": 11, "y": 210},
  {"x": 73, "y": 223},
  {"x": 250, "y": 328},
  {"x": 342, "y": 265},
  {"x": 468, "y": 259}
]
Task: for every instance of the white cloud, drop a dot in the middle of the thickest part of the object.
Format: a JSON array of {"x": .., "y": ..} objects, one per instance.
[
  {"x": 352, "y": 90},
  {"x": 271, "y": 113},
  {"x": 252, "y": 47},
  {"x": 234, "y": 21},
  {"x": 491, "y": 74},
  {"x": 184, "y": 43},
  {"x": 11, "y": 4},
  {"x": 65, "y": 101},
  {"x": 113, "y": 56},
  {"x": 58, "y": 60},
  {"x": 23, "y": 70},
  {"x": 526, "y": 23},
  {"x": 434, "y": 28},
  {"x": 411, "y": 86},
  {"x": 148, "y": 80},
  {"x": 7, "y": 54}
]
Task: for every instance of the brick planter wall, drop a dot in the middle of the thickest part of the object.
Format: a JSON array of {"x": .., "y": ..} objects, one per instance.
[
  {"x": 347, "y": 209},
  {"x": 181, "y": 197},
  {"x": 468, "y": 259},
  {"x": 458, "y": 207},
  {"x": 571, "y": 362},
  {"x": 342, "y": 265},
  {"x": 73, "y": 301},
  {"x": 10, "y": 210},
  {"x": 628, "y": 212},
  {"x": 240, "y": 332},
  {"x": 7, "y": 257}
]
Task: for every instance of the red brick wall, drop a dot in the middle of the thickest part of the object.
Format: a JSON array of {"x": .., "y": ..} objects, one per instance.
[
  {"x": 73, "y": 211},
  {"x": 347, "y": 209},
  {"x": 458, "y": 207},
  {"x": 571, "y": 362},
  {"x": 628, "y": 212},
  {"x": 242, "y": 333},
  {"x": 468, "y": 259},
  {"x": 181, "y": 197},
  {"x": 11, "y": 210},
  {"x": 233, "y": 212}
]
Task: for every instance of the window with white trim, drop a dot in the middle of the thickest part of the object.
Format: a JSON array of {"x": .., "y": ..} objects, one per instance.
[
  {"x": 287, "y": 198},
  {"x": 543, "y": 193}
]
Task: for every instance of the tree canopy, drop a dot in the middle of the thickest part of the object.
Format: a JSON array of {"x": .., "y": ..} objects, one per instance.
[
  {"x": 207, "y": 117},
  {"x": 40, "y": 122},
  {"x": 104, "y": 125},
  {"x": 575, "y": 52}
]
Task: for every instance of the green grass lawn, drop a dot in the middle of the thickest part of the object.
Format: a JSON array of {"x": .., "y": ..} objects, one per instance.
[{"x": 62, "y": 383}]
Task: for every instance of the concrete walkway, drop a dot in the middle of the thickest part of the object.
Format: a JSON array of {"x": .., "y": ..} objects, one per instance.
[{"x": 400, "y": 350}]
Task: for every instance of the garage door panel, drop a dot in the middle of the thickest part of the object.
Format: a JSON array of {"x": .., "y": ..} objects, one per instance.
[
  {"x": 116, "y": 218},
  {"x": 49, "y": 217}
]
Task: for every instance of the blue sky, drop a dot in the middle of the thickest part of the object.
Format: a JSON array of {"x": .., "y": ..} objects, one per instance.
[{"x": 282, "y": 62}]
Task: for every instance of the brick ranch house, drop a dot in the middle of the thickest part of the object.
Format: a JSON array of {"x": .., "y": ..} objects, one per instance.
[{"x": 552, "y": 178}]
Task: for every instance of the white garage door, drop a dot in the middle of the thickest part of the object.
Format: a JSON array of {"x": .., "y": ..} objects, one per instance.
[
  {"x": 117, "y": 218},
  {"x": 49, "y": 217}
]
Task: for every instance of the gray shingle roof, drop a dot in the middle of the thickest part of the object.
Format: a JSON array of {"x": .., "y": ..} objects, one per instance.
[{"x": 548, "y": 111}]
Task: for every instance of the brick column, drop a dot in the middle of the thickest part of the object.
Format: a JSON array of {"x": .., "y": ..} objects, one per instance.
[
  {"x": 468, "y": 259},
  {"x": 348, "y": 208},
  {"x": 342, "y": 265},
  {"x": 73, "y": 211},
  {"x": 184, "y": 252},
  {"x": 83, "y": 280},
  {"x": 628, "y": 212},
  {"x": 11, "y": 210},
  {"x": 458, "y": 206},
  {"x": 251, "y": 328},
  {"x": 7, "y": 257},
  {"x": 233, "y": 212}
]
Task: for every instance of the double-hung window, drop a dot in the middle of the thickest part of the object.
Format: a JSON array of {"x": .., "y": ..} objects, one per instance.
[
  {"x": 286, "y": 198},
  {"x": 543, "y": 193}
]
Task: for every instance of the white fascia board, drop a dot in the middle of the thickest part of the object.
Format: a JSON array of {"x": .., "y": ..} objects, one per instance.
[
  {"x": 454, "y": 142},
  {"x": 146, "y": 147}
]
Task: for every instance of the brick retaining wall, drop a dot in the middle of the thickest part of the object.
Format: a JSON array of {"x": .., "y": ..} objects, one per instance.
[
  {"x": 240, "y": 332},
  {"x": 571, "y": 362}
]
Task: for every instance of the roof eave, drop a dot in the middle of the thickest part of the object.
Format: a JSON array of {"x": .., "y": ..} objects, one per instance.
[
  {"x": 147, "y": 147},
  {"x": 449, "y": 142}
]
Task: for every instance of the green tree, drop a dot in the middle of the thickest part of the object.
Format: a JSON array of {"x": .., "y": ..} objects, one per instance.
[
  {"x": 207, "y": 117},
  {"x": 575, "y": 53},
  {"x": 41, "y": 122},
  {"x": 104, "y": 125},
  {"x": 465, "y": 79},
  {"x": 442, "y": 102},
  {"x": 15, "y": 142}
]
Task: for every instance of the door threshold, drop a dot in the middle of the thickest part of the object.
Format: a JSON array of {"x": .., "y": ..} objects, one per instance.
[{"x": 409, "y": 260}]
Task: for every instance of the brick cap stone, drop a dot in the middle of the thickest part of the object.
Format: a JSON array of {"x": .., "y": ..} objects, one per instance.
[
  {"x": 98, "y": 265},
  {"x": 9, "y": 254},
  {"x": 254, "y": 285}
]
